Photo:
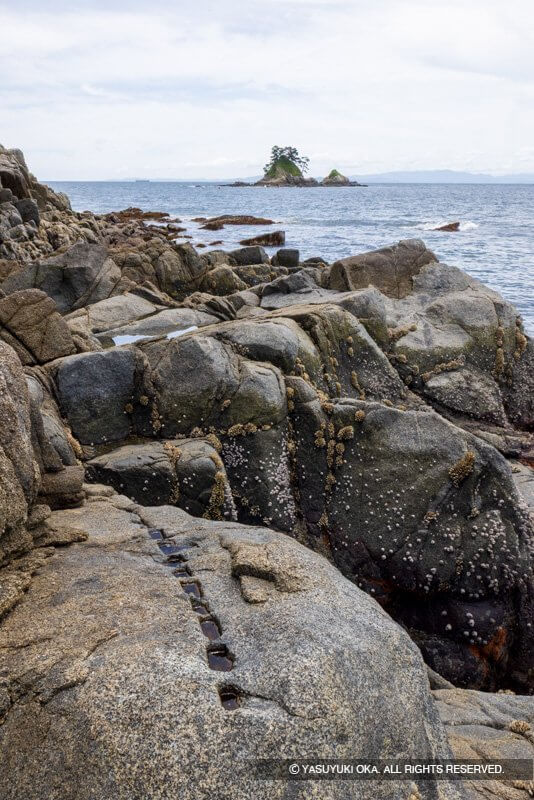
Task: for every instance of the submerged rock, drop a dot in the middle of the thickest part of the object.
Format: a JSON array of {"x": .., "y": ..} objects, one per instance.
[
  {"x": 450, "y": 227},
  {"x": 274, "y": 239}
]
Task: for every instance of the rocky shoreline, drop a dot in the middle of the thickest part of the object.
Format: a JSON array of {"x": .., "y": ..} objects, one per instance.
[{"x": 248, "y": 505}]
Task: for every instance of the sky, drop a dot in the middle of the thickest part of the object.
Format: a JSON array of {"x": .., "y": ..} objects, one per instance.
[{"x": 111, "y": 90}]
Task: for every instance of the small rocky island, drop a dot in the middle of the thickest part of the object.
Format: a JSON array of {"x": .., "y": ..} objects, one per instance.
[
  {"x": 254, "y": 507},
  {"x": 287, "y": 168},
  {"x": 335, "y": 178}
]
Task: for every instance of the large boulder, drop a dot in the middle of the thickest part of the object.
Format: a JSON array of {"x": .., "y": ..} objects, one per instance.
[
  {"x": 32, "y": 325},
  {"x": 426, "y": 518},
  {"x": 390, "y": 269},
  {"x": 167, "y": 655},
  {"x": 201, "y": 382},
  {"x": 19, "y": 472},
  {"x": 188, "y": 473},
  {"x": 82, "y": 275},
  {"x": 249, "y": 255},
  {"x": 96, "y": 393},
  {"x": 450, "y": 324},
  {"x": 174, "y": 269}
]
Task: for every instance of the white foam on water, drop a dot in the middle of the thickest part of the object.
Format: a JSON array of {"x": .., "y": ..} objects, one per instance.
[
  {"x": 434, "y": 226},
  {"x": 468, "y": 226},
  {"x": 175, "y": 334}
]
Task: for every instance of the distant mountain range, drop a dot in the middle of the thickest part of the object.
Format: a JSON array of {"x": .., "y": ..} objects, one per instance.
[
  {"x": 408, "y": 176},
  {"x": 442, "y": 176}
]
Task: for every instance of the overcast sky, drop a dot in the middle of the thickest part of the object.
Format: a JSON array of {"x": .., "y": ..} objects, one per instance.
[{"x": 203, "y": 89}]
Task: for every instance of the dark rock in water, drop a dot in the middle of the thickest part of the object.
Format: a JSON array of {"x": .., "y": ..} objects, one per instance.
[
  {"x": 212, "y": 226},
  {"x": 249, "y": 255},
  {"x": 286, "y": 258},
  {"x": 133, "y": 212},
  {"x": 28, "y": 210},
  {"x": 237, "y": 219},
  {"x": 274, "y": 239},
  {"x": 450, "y": 226}
]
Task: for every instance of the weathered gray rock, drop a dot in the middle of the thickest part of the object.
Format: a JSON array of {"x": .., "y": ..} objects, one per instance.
[
  {"x": 524, "y": 480},
  {"x": 453, "y": 322},
  {"x": 19, "y": 473},
  {"x": 263, "y": 341},
  {"x": 174, "y": 269},
  {"x": 106, "y": 654},
  {"x": 83, "y": 275},
  {"x": 201, "y": 382},
  {"x": 467, "y": 391},
  {"x": 489, "y": 727},
  {"x": 53, "y": 445},
  {"x": 391, "y": 269},
  {"x": 162, "y": 323},
  {"x": 518, "y": 392},
  {"x": 28, "y": 210},
  {"x": 222, "y": 280},
  {"x": 114, "y": 312},
  {"x": 15, "y": 175}
]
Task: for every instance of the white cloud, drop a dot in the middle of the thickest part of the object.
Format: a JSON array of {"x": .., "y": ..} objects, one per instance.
[{"x": 205, "y": 90}]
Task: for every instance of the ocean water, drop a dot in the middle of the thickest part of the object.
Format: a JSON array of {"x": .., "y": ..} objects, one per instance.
[{"x": 495, "y": 242}]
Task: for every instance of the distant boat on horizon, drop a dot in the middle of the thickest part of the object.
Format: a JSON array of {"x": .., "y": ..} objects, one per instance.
[{"x": 141, "y": 180}]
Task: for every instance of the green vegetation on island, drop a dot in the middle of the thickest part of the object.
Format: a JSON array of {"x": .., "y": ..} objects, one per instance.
[{"x": 286, "y": 168}]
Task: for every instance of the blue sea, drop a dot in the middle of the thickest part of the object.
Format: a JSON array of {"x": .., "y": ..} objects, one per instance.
[{"x": 495, "y": 242}]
